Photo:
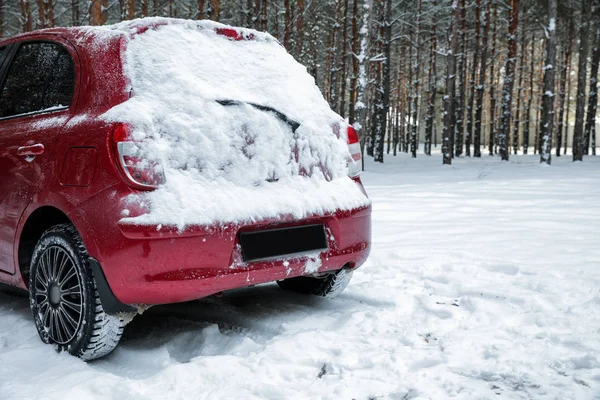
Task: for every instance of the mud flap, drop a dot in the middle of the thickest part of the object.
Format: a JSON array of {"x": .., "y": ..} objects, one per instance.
[{"x": 110, "y": 303}]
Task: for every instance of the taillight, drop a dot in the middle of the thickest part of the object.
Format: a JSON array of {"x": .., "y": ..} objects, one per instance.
[
  {"x": 138, "y": 168},
  {"x": 234, "y": 34},
  {"x": 355, "y": 159}
]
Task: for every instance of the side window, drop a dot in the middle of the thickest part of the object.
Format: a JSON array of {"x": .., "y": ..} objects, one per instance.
[{"x": 41, "y": 77}]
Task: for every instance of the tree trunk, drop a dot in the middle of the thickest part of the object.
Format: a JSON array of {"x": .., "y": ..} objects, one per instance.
[
  {"x": 509, "y": 79},
  {"x": 300, "y": 26},
  {"x": 593, "y": 95},
  {"x": 354, "y": 77},
  {"x": 449, "y": 97},
  {"x": 375, "y": 76},
  {"x": 594, "y": 139},
  {"x": 384, "y": 91},
  {"x": 216, "y": 10},
  {"x": 50, "y": 13},
  {"x": 363, "y": 76},
  {"x": 2, "y": 17},
  {"x": 402, "y": 123},
  {"x": 344, "y": 69},
  {"x": 45, "y": 14},
  {"x": 396, "y": 112},
  {"x": 409, "y": 94},
  {"x": 122, "y": 9},
  {"x": 333, "y": 71},
  {"x": 127, "y": 9},
  {"x": 517, "y": 124},
  {"x": 578, "y": 142},
  {"x": 172, "y": 8},
  {"x": 275, "y": 13},
  {"x": 414, "y": 134},
  {"x": 547, "y": 121},
  {"x": 264, "y": 16},
  {"x": 201, "y": 6},
  {"x": 492, "y": 89},
  {"x": 565, "y": 70},
  {"x": 474, "y": 66},
  {"x": 435, "y": 133},
  {"x": 526, "y": 132},
  {"x": 568, "y": 99},
  {"x": 144, "y": 8},
  {"x": 460, "y": 109},
  {"x": 287, "y": 24},
  {"x": 481, "y": 87},
  {"x": 98, "y": 14},
  {"x": 74, "y": 12},
  {"x": 41, "y": 22},
  {"x": 429, "y": 119},
  {"x": 248, "y": 11}
]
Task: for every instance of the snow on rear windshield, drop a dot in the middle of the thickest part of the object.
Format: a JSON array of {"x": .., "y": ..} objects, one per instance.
[{"x": 222, "y": 117}]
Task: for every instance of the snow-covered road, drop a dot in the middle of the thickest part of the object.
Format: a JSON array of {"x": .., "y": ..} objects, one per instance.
[{"x": 483, "y": 283}]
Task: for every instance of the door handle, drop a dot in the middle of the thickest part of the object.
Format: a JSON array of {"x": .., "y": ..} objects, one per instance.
[{"x": 31, "y": 150}]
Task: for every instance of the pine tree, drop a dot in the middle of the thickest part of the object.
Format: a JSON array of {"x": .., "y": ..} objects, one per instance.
[
  {"x": 382, "y": 97},
  {"x": 547, "y": 119},
  {"x": 354, "y": 76},
  {"x": 527, "y": 122},
  {"x": 578, "y": 139},
  {"x": 509, "y": 79},
  {"x": 415, "y": 97},
  {"x": 98, "y": 14},
  {"x": 492, "y": 87},
  {"x": 481, "y": 87},
  {"x": 593, "y": 95},
  {"x": 432, "y": 85},
  {"x": 565, "y": 70},
  {"x": 472, "y": 85},
  {"x": 517, "y": 123},
  {"x": 362, "y": 92},
  {"x": 449, "y": 97},
  {"x": 344, "y": 57},
  {"x": 460, "y": 104},
  {"x": 26, "y": 22}
]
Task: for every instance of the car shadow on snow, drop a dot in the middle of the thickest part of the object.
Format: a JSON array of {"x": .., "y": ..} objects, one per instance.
[
  {"x": 15, "y": 301},
  {"x": 239, "y": 310},
  {"x": 239, "y": 322}
]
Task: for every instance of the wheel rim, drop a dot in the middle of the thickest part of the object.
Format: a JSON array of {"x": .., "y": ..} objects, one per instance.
[{"x": 58, "y": 294}]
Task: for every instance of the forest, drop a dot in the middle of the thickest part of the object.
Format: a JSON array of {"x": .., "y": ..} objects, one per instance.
[{"x": 476, "y": 77}]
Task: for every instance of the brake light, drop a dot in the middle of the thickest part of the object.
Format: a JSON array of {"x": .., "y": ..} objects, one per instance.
[
  {"x": 234, "y": 34},
  {"x": 140, "y": 170},
  {"x": 355, "y": 159}
]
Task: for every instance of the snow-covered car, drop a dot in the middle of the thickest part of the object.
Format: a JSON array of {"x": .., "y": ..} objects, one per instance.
[{"x": 160, "y": 161}]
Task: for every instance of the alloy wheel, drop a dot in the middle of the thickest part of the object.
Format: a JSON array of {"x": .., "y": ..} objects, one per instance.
[{"x": 58, "y": 294}]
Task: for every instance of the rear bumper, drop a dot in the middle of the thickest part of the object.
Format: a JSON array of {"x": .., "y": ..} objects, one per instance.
[{"x": 150, "y": 265}]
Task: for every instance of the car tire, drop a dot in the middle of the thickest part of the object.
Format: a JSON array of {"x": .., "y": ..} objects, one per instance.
[
  {"x": 329, "y": 285},
  {"x": 63, "y": 298}
]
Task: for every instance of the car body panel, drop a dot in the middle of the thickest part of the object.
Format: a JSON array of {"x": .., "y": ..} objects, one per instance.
[
  {"x": 78, "y": 175},
  {"x": 143, "y": 264},
  {"x": 26, "y": 176}
]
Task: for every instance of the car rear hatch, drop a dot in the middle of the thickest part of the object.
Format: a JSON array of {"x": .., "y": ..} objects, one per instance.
[{"x": 237, "y": 128}]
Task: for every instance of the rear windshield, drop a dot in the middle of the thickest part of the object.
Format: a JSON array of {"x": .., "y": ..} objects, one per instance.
[{"x": 192, "y": 59}]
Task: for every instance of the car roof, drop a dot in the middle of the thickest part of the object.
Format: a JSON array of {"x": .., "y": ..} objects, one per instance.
[{"x": 131, "y": 28}]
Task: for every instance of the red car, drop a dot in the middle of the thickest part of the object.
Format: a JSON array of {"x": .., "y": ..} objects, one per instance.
[{"x": 242, "y": 179}]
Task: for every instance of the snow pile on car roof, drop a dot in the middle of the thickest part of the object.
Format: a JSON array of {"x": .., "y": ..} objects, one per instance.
[{"x": 222, "y": 117}]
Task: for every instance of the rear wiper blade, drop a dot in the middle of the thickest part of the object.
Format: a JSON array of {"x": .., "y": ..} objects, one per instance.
[{"x": 293, "y": 124}]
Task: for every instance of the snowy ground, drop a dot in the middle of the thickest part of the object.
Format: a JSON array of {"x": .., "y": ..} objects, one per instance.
[{"x": 483, "y": 283}]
